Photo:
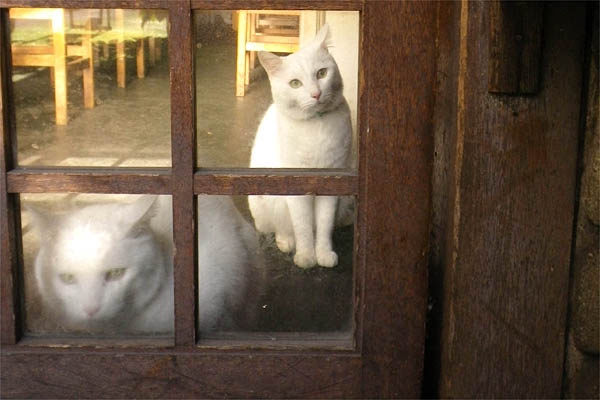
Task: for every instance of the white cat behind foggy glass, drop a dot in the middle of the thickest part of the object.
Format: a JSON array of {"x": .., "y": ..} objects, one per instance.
[
  {"x": 107, "y": 268},
  {"x": 307, "y": 126}
]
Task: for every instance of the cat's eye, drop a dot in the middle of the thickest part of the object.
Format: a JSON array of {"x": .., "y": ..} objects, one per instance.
[
  {"x": 114, "y": 274},
  {"x": 295, "y": 83},
  {"x": 322, "y": 73},
  {"x": 67, "y": 278}
]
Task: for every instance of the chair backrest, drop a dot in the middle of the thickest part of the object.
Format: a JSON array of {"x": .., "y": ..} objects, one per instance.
[{"x": 274, "y": 26}]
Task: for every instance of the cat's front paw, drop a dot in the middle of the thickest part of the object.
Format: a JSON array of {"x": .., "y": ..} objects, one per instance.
[
  {"x": 285, "y": 243},
  {"x": 304, "y": 260},
  {"x": 327, "y": 258}
]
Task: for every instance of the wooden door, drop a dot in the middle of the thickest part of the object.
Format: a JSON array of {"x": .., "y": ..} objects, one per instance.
[{"x": 384, "y": 358}]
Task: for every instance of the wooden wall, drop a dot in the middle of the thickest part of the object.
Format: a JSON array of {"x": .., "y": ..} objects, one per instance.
[{"x": 504, "y": 200}]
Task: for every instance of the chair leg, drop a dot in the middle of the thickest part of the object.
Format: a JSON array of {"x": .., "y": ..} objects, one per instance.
[
  {"x": 251, "y": 64},
  {"x": 152, "y": 51},
  {"x": 250, "y": 55},
  {"x": 121, "y": 66},
  {"x": 88, "y": 73},
  {"x": 141, "y": 68},
  {"x": 240, "y": 75},
  {"x": 247, "y": 69},
  {"x": 60, "y": 69},
  {"x": 158, "y": 53}
]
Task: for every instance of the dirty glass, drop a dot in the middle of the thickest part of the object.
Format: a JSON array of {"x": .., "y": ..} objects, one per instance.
[
  {"x": 97, "y": 265},
  {"x": 91, "y": 87},
  {"x": 234, "y": 90},
  {"x": 256, "y": 290}
]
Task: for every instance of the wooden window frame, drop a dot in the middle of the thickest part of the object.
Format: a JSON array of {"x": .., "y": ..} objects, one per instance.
[{"x": 392, "y": 185}]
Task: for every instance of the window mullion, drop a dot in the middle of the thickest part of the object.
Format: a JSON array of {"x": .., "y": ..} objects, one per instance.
[
  {"x": 183, "y": 133},
  {"x": 9, "y": 204}
]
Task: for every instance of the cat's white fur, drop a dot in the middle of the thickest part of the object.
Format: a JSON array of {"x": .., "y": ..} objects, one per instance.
[
  {"x": 86, "y": 244},
  {"x": 79, "y": 249},
  {"x": 306, "y": 127},
  {"x": 230, "y": 266}
]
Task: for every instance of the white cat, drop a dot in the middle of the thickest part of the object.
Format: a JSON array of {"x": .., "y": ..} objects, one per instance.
[
  {"x": 103, "y": 269},
  {"x": 307, "y": 126},
  {"x": 107, "y": 268}
]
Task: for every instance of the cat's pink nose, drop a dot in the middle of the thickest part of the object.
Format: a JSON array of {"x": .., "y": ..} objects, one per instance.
[
  {"x": 91, "y": 310},
  {"x": 316, "y": 94}
]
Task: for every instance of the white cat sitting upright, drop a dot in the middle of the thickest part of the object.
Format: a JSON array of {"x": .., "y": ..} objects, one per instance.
[
  {"x": 107, "y": 268},
  {"x": 307, "y": 126}
]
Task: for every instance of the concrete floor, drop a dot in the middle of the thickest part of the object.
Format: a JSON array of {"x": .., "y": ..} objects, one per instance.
[{"x": 131, "y": 128}]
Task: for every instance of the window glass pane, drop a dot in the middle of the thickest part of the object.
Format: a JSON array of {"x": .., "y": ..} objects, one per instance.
[
  {"x": 311, "y": 60},
  {"x": 97, "y": 265},
  {"x": 91, "y": 87},
  {"x": 257, "y": 283}
]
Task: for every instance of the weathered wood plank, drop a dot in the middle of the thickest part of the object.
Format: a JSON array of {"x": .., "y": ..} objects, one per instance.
[
  {"x": 178, "y": 375},
  {"x": 158, "y": 181},
  {"x": 276, "y": 182},
  {"x": 183, "y": 131},
  {"x": 9, "y": 210},
  {"x": 82, "y": 180},
  {"x": 140, "y": 4},
  {"x": 278, "y": 4},
  {"x": 396, "y": 193},
  {"x": 515, "y": 46},
  {"x": 444, "y": 122},
  {"x": 197, "y": 4},
  {"x": 508, "y": 254}
]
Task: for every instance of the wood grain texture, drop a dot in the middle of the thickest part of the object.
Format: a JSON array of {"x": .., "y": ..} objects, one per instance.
[
  {"x": 515, "y": 46},
  {"x": 158, "y": 181},
  {"x": 278, "y": 4},
  {"x": 448, "y": 42},
  {"x": 87, "y": 180},
  {"x": 183, "y": 131},
  {"x": 506, "y": 283},
  {"x": 196, "y": 4},
  {"x": 393, "y": 183},
  {"x": 9, "y": 215},
  {"x": 275, "y": 182},
  {"x": 140, "y": 4},
  {"x": 397, "y": 193},
  {"x": 178, "y": 375}
]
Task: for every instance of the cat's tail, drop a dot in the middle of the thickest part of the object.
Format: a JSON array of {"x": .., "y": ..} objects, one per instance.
[{"x": 345, "y": 212}]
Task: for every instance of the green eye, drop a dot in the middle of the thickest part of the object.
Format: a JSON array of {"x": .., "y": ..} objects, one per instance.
[
  {"x": 67, "y": 278},
  {"x": 295, "y": 83},
  {"x": 114, "y": 274},
  {"x": 322, "y": 73}
]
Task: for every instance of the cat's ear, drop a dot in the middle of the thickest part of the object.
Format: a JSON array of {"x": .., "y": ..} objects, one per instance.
[
  {"x": 40, "y": 219},
  {"x": 323, "y": 38},
  {"x": 140, "y": 212},
  {"x": 269, "y": 61}
]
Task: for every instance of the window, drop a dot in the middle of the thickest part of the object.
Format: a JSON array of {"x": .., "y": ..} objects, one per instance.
[{"x": 371, "y": 345}]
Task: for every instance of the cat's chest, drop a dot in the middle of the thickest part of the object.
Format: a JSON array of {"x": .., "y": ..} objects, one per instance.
[{"x": 321, "y": 142}]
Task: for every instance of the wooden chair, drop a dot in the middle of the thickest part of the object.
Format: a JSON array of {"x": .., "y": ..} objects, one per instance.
[
  {"x": 99, "y": 20},
  {"x": 154, "y": 46},
  {"x": 64, "y": 52},
  {"x": 264, "y": 30}
]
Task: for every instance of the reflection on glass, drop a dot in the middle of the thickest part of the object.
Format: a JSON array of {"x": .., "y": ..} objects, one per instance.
[
  {"x": 91, "y": 87},
  {"x": 98, "y": 264},
  {"x": 276, "y": 88},
  {"x": 255, "y": 286}
]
